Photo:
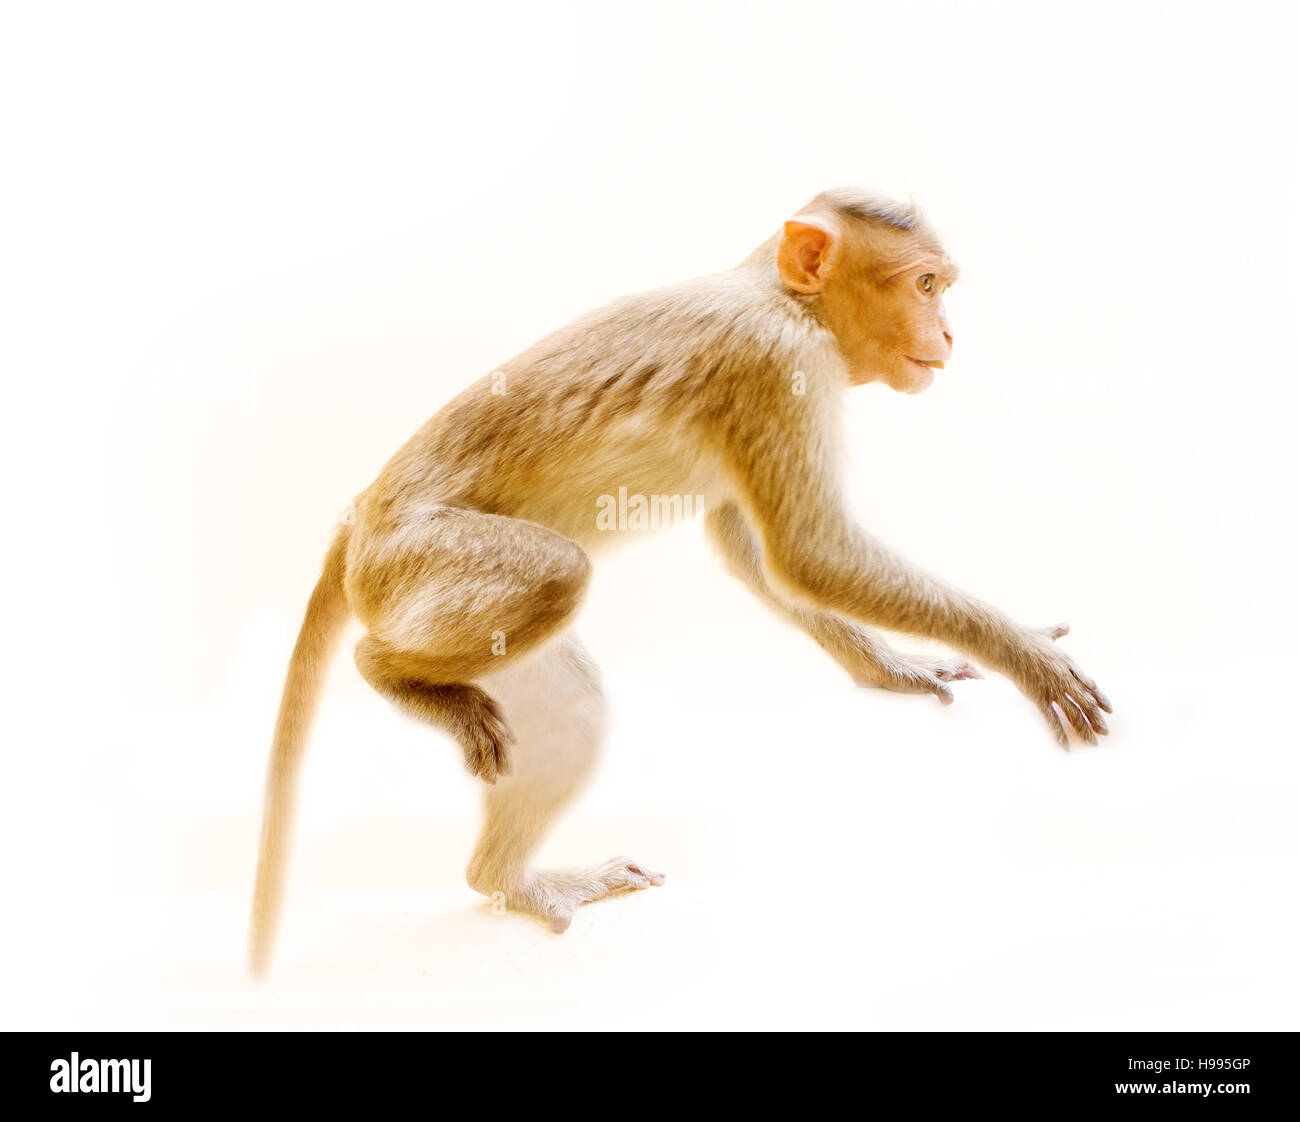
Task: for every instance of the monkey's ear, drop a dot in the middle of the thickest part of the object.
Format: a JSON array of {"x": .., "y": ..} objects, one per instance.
[{"x": 806, "y": 254}]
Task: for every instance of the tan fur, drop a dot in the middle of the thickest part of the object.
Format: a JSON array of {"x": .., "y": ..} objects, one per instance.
[
  {"x": 327, "y": 612},
  {"x": 469, "y": 555},
  {"x": 864, "y": 654}
]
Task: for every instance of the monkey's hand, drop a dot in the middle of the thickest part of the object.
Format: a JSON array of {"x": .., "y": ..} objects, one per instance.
[
  {"x": 872, "y": 663},
  {"x": 1062, "y": 692}
]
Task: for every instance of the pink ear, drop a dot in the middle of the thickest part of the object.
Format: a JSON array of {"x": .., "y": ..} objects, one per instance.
[{"x": 806, "y": 254}]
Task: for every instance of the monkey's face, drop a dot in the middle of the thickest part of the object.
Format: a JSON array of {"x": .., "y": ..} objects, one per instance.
[
  {"x": 892, "y": 326},
  {"x": 881, "y": 294}
]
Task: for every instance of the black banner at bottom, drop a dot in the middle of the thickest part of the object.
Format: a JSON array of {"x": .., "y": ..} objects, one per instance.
[{"x": 166, "y": 1071}]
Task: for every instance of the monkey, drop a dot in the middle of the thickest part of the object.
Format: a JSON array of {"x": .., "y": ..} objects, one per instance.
[{"x": 469, "y": 555}]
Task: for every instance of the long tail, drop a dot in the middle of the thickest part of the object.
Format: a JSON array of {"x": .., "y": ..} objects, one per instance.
[{"x": 327, "y": 612}]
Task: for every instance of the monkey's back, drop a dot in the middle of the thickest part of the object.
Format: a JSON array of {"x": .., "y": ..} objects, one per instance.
[{"x": 624, "y": 397}]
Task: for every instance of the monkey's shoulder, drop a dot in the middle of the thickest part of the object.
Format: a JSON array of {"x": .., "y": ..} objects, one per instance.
[{"x": 688, "y": 337}]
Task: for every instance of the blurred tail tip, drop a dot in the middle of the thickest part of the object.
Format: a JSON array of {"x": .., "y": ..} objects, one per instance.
[{"x": 258, "y": 961}]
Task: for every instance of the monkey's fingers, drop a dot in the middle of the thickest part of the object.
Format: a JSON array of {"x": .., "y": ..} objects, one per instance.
[
  {"x": 1091, "y": 686},
  {"x": 1054, "y": 723},
  {"x": 1078, "y": 719},
  {"x": 955, "y": 671},
  {"x": 1059, "y": 630},
  {"x": 1092, "y": 702},
  {"x": 915, "y": 679},
  {"x": 1102, "y": 700},
  {"x": 916, "y": 676}
]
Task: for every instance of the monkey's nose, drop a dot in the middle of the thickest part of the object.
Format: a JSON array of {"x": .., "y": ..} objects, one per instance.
[{"x": 947, "y": 338}]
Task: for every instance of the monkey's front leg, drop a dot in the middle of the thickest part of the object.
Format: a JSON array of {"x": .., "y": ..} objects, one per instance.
[
  {"x": 868, "y": 581},
  {"x": 867, "y": 658}
]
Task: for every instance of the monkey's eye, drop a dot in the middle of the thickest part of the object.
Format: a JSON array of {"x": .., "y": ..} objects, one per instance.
[{"x": 925, "y": 283}]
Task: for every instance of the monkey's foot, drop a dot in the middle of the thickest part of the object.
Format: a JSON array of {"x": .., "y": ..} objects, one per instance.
[
  {"x": 556, "y": 896},
  {"x": 917, "y": 675},
  {"x": 476, "y": 721}
]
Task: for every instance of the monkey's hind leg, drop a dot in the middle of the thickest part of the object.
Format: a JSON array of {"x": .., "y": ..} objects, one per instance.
[
  {"x": 469, "y": 714},
  {"x": 451, "y": 597},
  {"x": 555, "y": 706}
]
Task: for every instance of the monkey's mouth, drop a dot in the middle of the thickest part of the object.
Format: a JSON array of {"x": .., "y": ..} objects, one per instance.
[{"x": 923, "y": 362}]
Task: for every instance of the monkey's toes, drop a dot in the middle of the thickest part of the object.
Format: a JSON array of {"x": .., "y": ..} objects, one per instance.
[
  {"x": 560, "y": 921},
  {"x": 622, "y": 873},
  {"x": 556, "y": 896},
  {"x": 487, "y": 741}
]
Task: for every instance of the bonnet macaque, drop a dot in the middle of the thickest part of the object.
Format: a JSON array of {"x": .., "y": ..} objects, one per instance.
[{"x": 467, "y": 558}]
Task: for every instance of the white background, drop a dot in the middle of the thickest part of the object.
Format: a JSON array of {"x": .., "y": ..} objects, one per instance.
[{"x": 249, "y": 248}]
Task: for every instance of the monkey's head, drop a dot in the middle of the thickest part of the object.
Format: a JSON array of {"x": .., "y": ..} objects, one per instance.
[{"x": 879, "y": 274}]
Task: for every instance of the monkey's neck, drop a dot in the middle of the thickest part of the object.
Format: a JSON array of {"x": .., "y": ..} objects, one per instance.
[
  {"x": 764, "y": 257},
  {"x": 762, "y": 264}
]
